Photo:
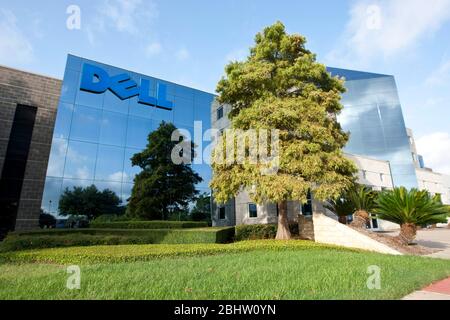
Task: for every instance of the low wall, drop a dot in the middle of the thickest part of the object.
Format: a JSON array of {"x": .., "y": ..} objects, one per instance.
[{"x": 330, "y": 231}]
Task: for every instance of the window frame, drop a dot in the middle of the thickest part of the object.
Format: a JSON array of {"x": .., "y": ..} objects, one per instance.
[
  {"x": 220, "y": 213},
  {"x": 250, "y": 211},
  {"x": 219, "y": 113}
]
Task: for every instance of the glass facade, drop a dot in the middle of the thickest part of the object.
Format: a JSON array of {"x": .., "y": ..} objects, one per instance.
[
  {"x": 96, "y": 134},
  {"x": 374, "y": 118}
]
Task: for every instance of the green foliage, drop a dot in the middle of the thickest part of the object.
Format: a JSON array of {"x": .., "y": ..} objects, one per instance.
[
  {"x": 281, "y": 86},
  {"x": 202, "y": 209},
  {"x": 149, "y": 224},
  {"x": 89, "y": 202},
  {"x": 110, "y": 218},
  {"x": 342, "y": 206},
  {"x": 255, "y": 232},
  {"x": 362, "y": 198},
  {"x": 261, "y": 231},
  {"x": 92, "y": 237},
  {"x": 410, "y": 206},
  {"x": 132, "y": 253},
  {"x": 46, "y": 220},
  {"x": 162, "y": 186}
]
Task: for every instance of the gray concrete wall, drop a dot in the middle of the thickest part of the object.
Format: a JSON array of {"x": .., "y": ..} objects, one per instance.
[{"x": 18, "y": 87}]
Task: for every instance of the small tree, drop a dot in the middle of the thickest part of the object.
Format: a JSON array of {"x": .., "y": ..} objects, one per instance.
[
  {"x": 281, "y": 86},
  {"x": 202, "y": 209},
  {"x": 46, "y": 220},
  {"x": 363, "y": 201},
  {"x": 89, "y": 202},
  {"x": 342, "y": 207},
  {"x": 162, "y": 187},
  {"x": 410, "y": 209}
]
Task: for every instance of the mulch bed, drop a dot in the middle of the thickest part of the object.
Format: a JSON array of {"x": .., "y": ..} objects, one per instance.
[{"x": 395, "y": 244}]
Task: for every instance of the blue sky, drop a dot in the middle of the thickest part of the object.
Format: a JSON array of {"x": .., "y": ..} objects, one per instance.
[{"x": 190, "y": 41}]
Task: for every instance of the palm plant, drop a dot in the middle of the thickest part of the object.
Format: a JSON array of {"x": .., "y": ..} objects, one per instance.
[
  {"x": 342, "y": 207},
  {"x": 410, "y": 209},
  {"x": 363, "y": 201}
]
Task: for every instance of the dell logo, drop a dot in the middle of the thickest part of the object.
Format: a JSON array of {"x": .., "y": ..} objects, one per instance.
[{"x": 96, "y": 80}]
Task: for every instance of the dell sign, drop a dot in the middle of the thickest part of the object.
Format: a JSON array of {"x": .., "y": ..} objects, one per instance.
[{"x": 96, "y": 80}]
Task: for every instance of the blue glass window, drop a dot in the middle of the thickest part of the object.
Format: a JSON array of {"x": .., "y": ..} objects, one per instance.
[
  {"x": 86, "y": 123},
  {"x": 138, "y": 131},
  {"x": 109, "y": 165},
  {"x": 80, "y": 162},
  {"x": 114, "y": 129},
  {"x": 130, "y": 171},
  {"x": 57, "y": 158}
]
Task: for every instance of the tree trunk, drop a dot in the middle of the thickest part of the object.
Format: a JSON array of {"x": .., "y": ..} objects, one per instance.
[
  {"x": 361, "y": 219},
  {"x": 408, "y": 233},
  {"x": 283, "y": 232},
  {"x": 343, "y": 219}
]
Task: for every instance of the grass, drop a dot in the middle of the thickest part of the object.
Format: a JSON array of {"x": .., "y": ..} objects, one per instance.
[{"x": 246, "y": 270}]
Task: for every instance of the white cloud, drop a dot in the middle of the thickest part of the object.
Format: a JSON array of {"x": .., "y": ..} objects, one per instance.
[
  {"x": 133, "y": 17},
  {"x": 128, "y": 15},
  {"x": 182, "y": 54},
  {"x": 153, "y": 49},
  {"x": 435, "y": 148},
  {"x": 14, "y": 45},
  {"x": 385, "y": 28},
  {"x": 440, "y": 76}
]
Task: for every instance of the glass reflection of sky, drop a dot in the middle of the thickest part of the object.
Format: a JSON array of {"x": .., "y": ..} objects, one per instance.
[
  {"x": 96, "y": 134},
  {"x": 374, "y": 118}
]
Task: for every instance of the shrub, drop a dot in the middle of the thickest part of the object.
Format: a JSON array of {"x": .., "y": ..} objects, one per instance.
[
  {"x": 149, "y": 225},
  {"x": 261, "y": 231},
  {"x": 255, "y": 232},
  {"x": 91, "y": 237},
  {"x": 111, "y": 218},
  {"x": 132, "y": 253},
  {"x": 409, "y": 209}
]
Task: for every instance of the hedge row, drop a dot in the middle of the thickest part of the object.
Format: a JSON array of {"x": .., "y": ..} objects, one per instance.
[
  {"x": 91, "y": 237},
  {"x": 132, "y": 253},
  {"x": 149, "y": 225},
  {"x": 261, "y": 231}
]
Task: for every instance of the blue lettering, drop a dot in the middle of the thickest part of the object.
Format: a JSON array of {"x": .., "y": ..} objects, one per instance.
[
  {"x": 162, "y": 97},
  {"x": 144, "y": 96},
  {"x": 123, "y": 87},
  {"x": 96, "y": 80}
]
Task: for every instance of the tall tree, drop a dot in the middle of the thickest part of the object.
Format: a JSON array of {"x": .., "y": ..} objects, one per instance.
[
  {"x": 162, "y": 187},
  {"x": 202, "y": 209},
  {"x": 89, "y": 202},
  {"x": 281, "y": 86}
]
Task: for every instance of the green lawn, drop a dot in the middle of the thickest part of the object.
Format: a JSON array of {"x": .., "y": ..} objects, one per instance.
[{"x": 245, "y": 270}]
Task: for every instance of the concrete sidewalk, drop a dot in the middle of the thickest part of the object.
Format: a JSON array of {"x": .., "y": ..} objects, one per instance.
[{"x": 436, "y": 291}]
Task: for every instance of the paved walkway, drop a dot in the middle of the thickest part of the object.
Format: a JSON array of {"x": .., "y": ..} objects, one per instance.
[
  {"x": 436, "y": 291},
  {"x": 435, "y": 239},
  {"x": 438, "y": 239}
]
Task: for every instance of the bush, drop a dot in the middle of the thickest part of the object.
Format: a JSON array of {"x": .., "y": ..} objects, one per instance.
[
  {"x": 91, "y": 237},
  {"x": 111, "y": 218},
  {"x": 261, "y": 231},
  {"x": 132, "y": 253},
  {"x": 149, "y": 225}
]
